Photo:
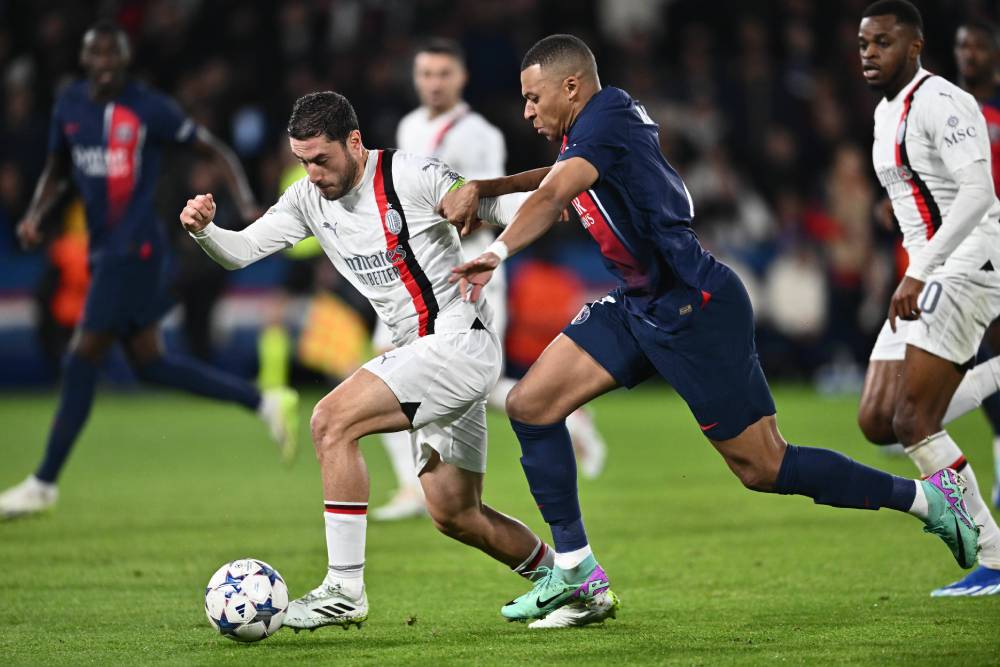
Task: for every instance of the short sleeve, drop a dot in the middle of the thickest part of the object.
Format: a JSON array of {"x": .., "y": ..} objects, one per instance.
[
  {"x": 601, "y": 139},
  {"x": 956, "y": 128},
  {"x": 57, "y": 137},
  {"x": 168, "y": 123}
]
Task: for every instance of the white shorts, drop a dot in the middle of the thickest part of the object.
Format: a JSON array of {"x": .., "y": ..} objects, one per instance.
[
  {"x": 442, "y": 381},
  {"x": 495, "y": 293},
  {"x": 954, "y": 314}
]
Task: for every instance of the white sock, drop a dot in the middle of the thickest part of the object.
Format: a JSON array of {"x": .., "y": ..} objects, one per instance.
[
  {"x": 978, "y": 384},
  {"x": 919, "y": 507},
  {"x": 497, "y": 398},
  {"x": 996, "y": 460},
  {"x": 570, "y": 559},
  {"x": 541, "y": 556},
  {"x": 940, "y": 451},
  {"x": 346, "y": 525},
  {"x": 397, "y": 446}
]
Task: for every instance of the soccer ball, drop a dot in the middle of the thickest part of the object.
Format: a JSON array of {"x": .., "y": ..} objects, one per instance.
[{"x": 246, "y": 600}]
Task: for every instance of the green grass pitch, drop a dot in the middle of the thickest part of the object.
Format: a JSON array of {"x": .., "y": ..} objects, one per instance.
[{"x": 163, "y": 489}]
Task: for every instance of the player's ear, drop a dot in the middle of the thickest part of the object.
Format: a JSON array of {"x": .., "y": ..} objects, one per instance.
[{"x": 571, "y": 86}]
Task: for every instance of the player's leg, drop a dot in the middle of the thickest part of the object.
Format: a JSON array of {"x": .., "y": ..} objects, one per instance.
[
  {"x": 80, "y": 367},
  {"x": 878, "y": 401},
  {"x": 991, "y": 405},
  {"x": 359, "y": 406},
  {"x": 595, "y": 354},
  {"x": 408, "y": 499},
  {"x": 152, "y": 363}
]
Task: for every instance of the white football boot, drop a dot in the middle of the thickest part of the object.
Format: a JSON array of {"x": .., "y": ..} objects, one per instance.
[
  {"x": 602, "y": 606},
  {"x": 279, "y": 408},
  {"x": 328, "y": 604},
  {"x": 591, "y": 452},
  {"x": 29, "y": 497}
]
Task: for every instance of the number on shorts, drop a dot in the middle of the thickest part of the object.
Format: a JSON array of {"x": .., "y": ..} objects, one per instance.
[{"x": 929, "y": 299}]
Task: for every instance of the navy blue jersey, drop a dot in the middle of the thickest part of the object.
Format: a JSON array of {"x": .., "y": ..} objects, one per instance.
[
  {"x": 639, "y": 211},
  {"x": 115, "y": 151}
]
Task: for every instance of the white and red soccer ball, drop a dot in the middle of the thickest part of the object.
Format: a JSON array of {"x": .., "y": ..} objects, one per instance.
[{"x": 245, "y": 600}]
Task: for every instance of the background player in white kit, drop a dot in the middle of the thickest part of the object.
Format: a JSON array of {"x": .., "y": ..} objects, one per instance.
[
  {"x": 931, "y": 153},
  {"x": 373, "y": 212},
  {"x": 444, "y": 127}
]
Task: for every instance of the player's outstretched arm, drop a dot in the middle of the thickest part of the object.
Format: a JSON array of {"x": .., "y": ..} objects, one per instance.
[
  {"x": 236, "y": 178},
  {"x": 276, "y": 230},
  {"x": 52, "y": 183},
  {"x": 536, "y": 215},
  {"x": 461, "y": 205}
]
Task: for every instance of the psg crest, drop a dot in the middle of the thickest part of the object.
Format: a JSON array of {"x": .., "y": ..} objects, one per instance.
[{"x": 393, "y": 221}]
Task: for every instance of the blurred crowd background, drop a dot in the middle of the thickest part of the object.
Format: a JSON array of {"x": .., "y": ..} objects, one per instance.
[{"x": 761, "y": 106}]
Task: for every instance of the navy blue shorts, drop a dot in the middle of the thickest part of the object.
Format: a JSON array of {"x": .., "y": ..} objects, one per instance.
[
  {"x": 126, "y": 296},
  {"x": 711, "y": 359}
]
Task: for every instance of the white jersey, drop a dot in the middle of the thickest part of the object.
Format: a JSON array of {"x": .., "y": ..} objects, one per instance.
[
  {"x": 460, "y": 138},
  {"x": 384, "y": 236},
  {"x": 923, "y": 136}
]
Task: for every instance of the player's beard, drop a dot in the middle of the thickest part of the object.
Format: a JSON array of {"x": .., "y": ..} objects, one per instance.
[{"x": 350, "y": 177}]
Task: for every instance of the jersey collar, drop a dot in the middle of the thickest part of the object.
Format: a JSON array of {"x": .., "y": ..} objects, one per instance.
[{"x": 921, "y": 73}]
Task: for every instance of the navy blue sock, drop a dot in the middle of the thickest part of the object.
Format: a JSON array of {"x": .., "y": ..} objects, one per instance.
[
  {"x": 550, "y": 466},
  {"x": 991, "y": 404},
  {"x": 188, "y": 374},
  {"x": 75, "y": 400},
  {"x": 830, "y": 478}
]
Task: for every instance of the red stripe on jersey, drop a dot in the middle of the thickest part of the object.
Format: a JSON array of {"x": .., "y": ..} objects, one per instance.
[
  {"x": 612, "y": 247},
  {"x": 392, "y": 246},
  {"x": 443, "y": 132},
  {"x": 122, "y": 159},
  {"x": 926, "y": 206}
]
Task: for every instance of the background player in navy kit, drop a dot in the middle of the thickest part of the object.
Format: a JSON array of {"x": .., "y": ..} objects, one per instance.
[
  {"x": 976, "y": 50},
  {"x": 109, "y": 131},
  {"x": 678, "y": 313}
]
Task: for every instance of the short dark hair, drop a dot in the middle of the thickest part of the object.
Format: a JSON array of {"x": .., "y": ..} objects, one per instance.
[
  {"x": 326, "y": 113},
  {"x": 444, "y": 47},
  {"x": 983, "y": 26},
  {"x": 904, "y": 11},
  {"x": 110, "y": 27},
  {"x": 559, "y": 49}
]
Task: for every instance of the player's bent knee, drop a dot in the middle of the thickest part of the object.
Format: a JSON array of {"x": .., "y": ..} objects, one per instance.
[
  {"x": 328, "y": 425},
  {"x": 526, "y": 407},
  {"x": 455, "y": 524},
  {"x": 876, "y": 425}
]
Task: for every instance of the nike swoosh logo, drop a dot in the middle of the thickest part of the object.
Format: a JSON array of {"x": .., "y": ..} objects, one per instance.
[
  {"x": 961, "y": 544},
  {"x": 544, "y": 603},
  {"x": 708, "y": 426}
]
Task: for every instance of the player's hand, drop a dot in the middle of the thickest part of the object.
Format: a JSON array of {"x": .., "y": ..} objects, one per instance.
[
  {"x": 198, "y": 213},
  {"x": 904, "y": 301},
  {"x": 29, "y": 231},
  {"x": 473, "y": 276},
  {"x": 461, "y": 208}
]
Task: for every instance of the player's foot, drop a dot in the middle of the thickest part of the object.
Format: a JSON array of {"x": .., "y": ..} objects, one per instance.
[
  {"x": 580, "y": 613},
  {"x": 981, "y": 581},
  {"x": 279, "y": 408},
  {"x": 407, "y": 503},
  {"x": 591, "y": 452},
  {"x": 949, "y": 518},
  {"x": 29, "y": 497},
  {"x": 329, "y": 604},
  {"x": 558, "y": 588}
]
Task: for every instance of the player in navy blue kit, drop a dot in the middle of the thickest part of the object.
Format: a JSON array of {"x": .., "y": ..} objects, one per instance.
[
  {"x": 678, "y": 313},
  {"x": 109, "y": 132}
]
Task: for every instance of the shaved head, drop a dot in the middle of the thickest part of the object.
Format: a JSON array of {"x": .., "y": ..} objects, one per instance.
[{"x": 562, "y": 56}]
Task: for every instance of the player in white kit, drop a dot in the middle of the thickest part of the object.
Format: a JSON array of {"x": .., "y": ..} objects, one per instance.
[
  {"x": 444, "y": 127},
  {"x": 373, "y": 213},
  {"x": 931, "y": 153}
]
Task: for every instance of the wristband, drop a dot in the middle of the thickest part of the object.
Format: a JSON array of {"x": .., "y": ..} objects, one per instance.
[{"x": 499, "y": 248}]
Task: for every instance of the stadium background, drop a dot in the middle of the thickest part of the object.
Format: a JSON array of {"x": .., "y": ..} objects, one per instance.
[{"x": 761, "y": 106}]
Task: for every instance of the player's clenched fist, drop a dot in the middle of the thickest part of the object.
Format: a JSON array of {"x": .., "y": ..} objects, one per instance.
[{"x": 199, "y": 212}]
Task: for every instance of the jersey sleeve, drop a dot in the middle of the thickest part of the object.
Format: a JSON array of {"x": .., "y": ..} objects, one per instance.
[
  {"x": 601, "y": 139},
  {"x": 57, "y": 138},
  {"x": 435, "y": 180},
  {"x": 168, "y": 123},
  {"x": 956, "y": 128}
]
